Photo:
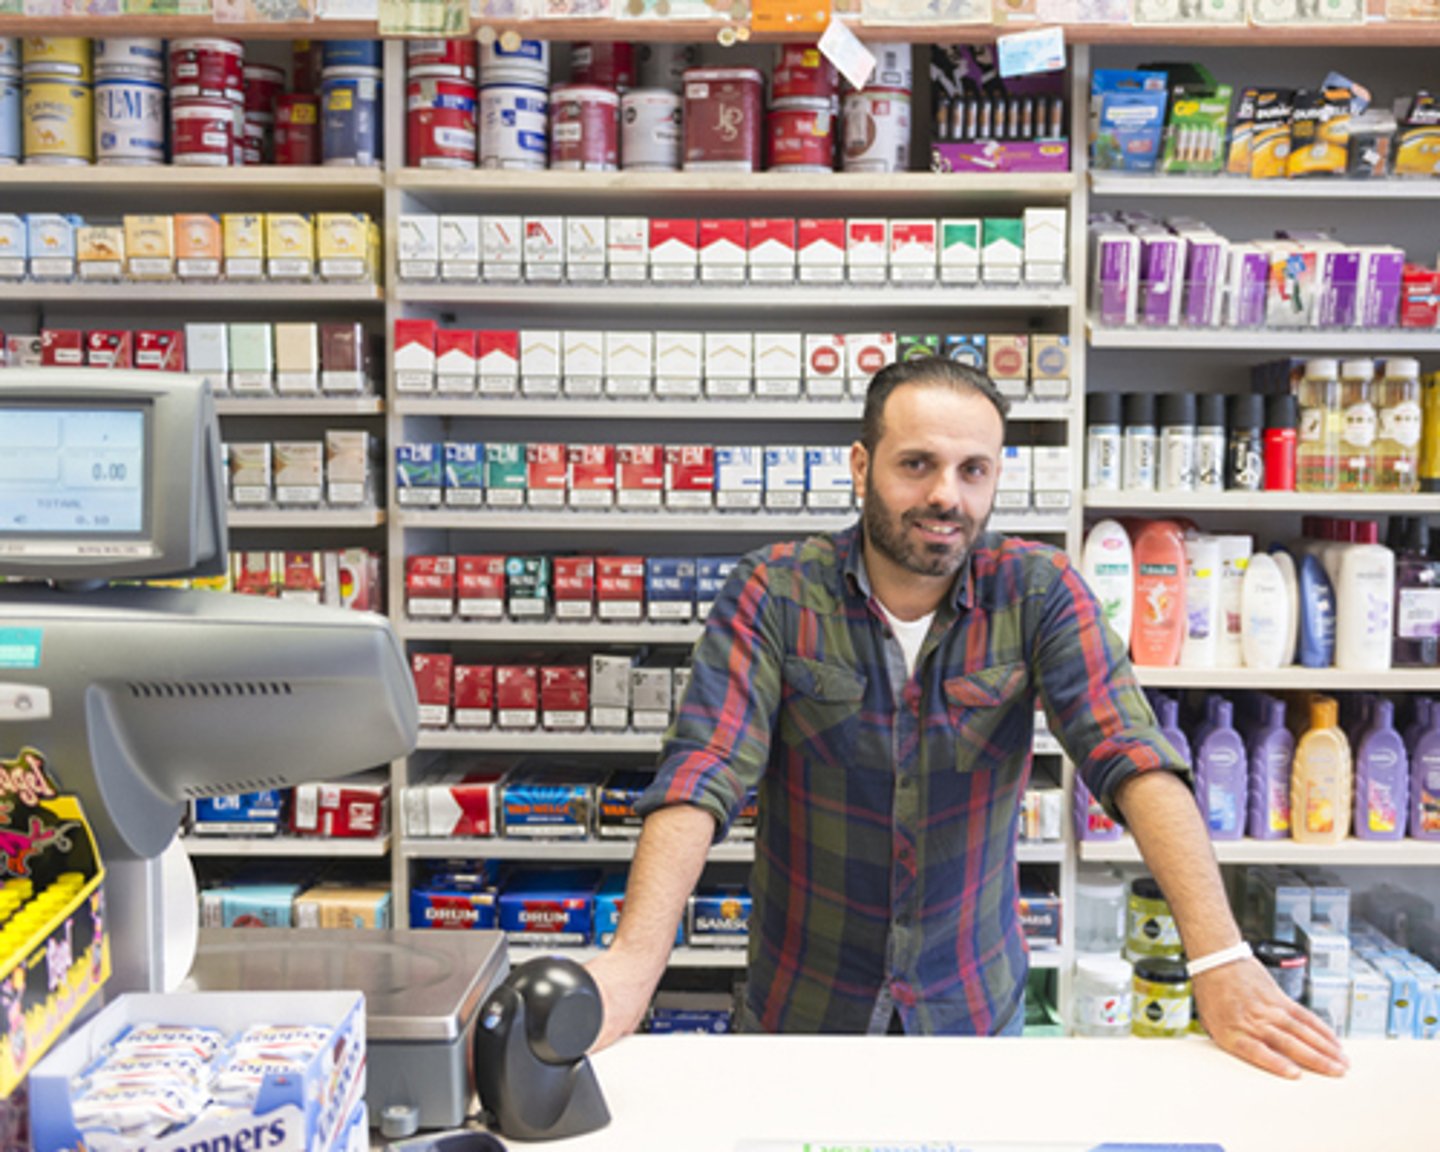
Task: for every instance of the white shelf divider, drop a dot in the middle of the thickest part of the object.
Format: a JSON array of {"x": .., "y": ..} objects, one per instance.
[
  {"x": 1277, "y": 340},
  {"x": 299, "y": 405},
  {"x": 662, "y": 408},
  {"x": 611, "y": 851},
  {"x": 1334, "y": 503},
  {"x": 1397, "y": 854},
  {"x": 305, "y": 518},
  {"x": 287, "y": 846},
  {"x": 751, "y": 299},
  {"x": 259, "y": 293},
  {"x": 537, "y": 740},
  {"x": 1241, "y": 188},
  {"x": 1316, "y": 679},
  {"x": 547, "y": 631}
]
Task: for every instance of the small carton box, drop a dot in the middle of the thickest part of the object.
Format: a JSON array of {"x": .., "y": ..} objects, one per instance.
[
  {"x": 433, "y": 673},
  {"x": 914, "y": 246},
  {"x": 430, "y": 586},
  {"x": 419, "y": 474},
  {"x": 100, "y": 252},
  {"x": 502, "y": 248},
  {"x": 150, "y": 247},
  {"x": 723, "y": 251},
  {"x": 820, "y": 250},
  {"x": 299, "y": 472},
  {"x": 718, "y": 918},
  {"x": 739, "y": 477},
  {"x": 343, "y": 357},
  {"x": 639, "y": 475},
  {"x": 670, "y": 588},
  {"x": 325, "y": 906},
  {"x": 415, "y": 341},
  {"x": 342, "y": 246},
  {"x": 1012, "y": 489},
  {"x": 480, "y": 587},
  {"x": 449, "y": 904},
  {"x": 564, "y": 698},
  {"x": 460, "y": 248},
  {"x": 1162, "y": 277},
  {"x": 1327, "y": 952},
  {"x": 464, "y": 474},
  {"x": 674, "y": 250},
  {"x": 585, "y": 249},
  {"x": 771, "y": 246},
  {"x": 246, "y": 814},
  {"x": 689, "y": 476},
  {"x": 297, "y": 357},
  {"x": 252, "y": 358},
  {"x": 866, "y": 353},
  {"x": 527, "y": 587},
  {"x": 620, "y": 587},
  {"x": 678, "y": 363},
  {"x": 160, "y": 350},
  {"x": 610, "y": 692},
  {"x": 353, "y": 809},
  {"x": 347, "y": 466},
  {"x": 517, "y": 696},
  {"x": 583, "y": 355},
  {"x": 14, "y": 246},
  {"x": 627, "y": 248},
  {"x": 729, "y": 363},
  {"x": 51, "y": 240},
  {"x": 711, "y": 572},
  {"x": 419, "y": 247},
  {"x": 828, "y": 483},
  {"x": 651, "y": 698},
  {"x": 116, "y": 349},
  {"x": 960, "y": 250},
  {"x": 539, "y": 361},
  {"x": 549, "y": 909},
  {"x": 867, "y": 251},
  {"x": 207, "y": 351},
  {"x": 289, "y": 246},
  {"x": 1053, "y": 483},
  {"x": 1002, "y": 252},
  {"x": 574, "y": 587},
  {"x": 826, "y": 366},
  {"x": 250, "y": 473},
  {"x": 62, "y": 348},
  {"x": 785, "y": 478},
  {"x": 1115, "y": 282},
  {"x": 456, "y": 361},
  {"x": 1009, "y": 363},
  {"x": 1049, "y": 366},
  {"x": 474, "y": 695},
  {"x": 778, "y": 360},
  {"x": 629, "y": 363},
  {"x": 1045, "y": 245},
  {"x": 506, "y": 475},
  {"x": 545, "y": 475},
  {"x": 544, "y": 249},
  {"x": 592, "y": 475},
  {"x": 497, "y": 360}
]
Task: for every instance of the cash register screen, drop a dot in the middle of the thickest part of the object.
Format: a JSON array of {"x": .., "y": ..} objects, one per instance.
[{"x": 73, "y": 472}]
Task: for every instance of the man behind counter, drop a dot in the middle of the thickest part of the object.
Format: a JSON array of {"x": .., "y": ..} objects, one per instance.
[{"x": 878, "y": 685}]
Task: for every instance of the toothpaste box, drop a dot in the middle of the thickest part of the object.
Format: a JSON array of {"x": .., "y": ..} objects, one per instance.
[
  {"x": 550, "y": 909},
  {"x": 867, "y": 250},
  {"x": 464, "y": 474},
  {"x": 1381, "y": 275},
  {"x": 14, "y": 246},
  {"x": 629, "y": 363},
  {"x": 674, "y": 250},
  {"x": 502, "y": 248},
  {"x": 415, "y": 342},
  {"x": 639, "y": 475},
  {"x": 679, "y": 364},
  {"x": 592, "y": 475},
  {"x": 480, "y": 587},
  {"x": 914, "y": 251},
  {"x": 245, "y": 814},
  {"x": 539, "y": 362},
  {"x": 1206, "y": 255},
  {"x": 527, "y": 587},
  {"x": 723, "y": 248},
  {"x": 564, "y": 697},
  {"x": 440, "y": 903},
  {"x": 820, "y": 250},
  {"x": 506, "y": 473},
  {"x": 711, "y": 572},
  {"x": 430, "y": 586},
  {"x": 866, "y": 354},
  {"x": 574, "y": 587},
  {"x": 353, "y": 809},
  {"x": 689, "y": 476},
  {"x": 627, "y": 248},
  {"x": 244, "y": 238},
  {"x": 777, "y": 366},
  {"x": 616, "y": 817},
  {"x": 497, "y": 361},
  {"x": 826, "y": 365},
  {"x": 1045, "y": 244},
  {"x": 546, "y": 466},
  {"x": 960, "y": 250},
  {"x": 1249, "y": 285},
  {"x": 718, "y": 918},
  {"x": 460, "y": 248},
  {"x": 1162, "y": 275},
  {"x": 549, "y": 801},
  {"x": 419, "y": 474},
  {"x": 1002, "y": 249},
  {"x": 583, "y": 355},
  {"x": 1115, "y": 284},
  {"x": 828, "y": 484},
  {"x": 1049, "y": 366},
  {"x": 771, "y": 250},
  {"x": 457, "y": 353},
  {"x": 670, "y": 588},
  {"x": 620, "y": 587},
  {"x": 517, "y": 695},
  {"x": 544, "y": 249},
  {"x": 729, "y": 363},
  {"x": 50, "y": 239},
  {"x": 1008, "y": 362},
  {"x": 419, "y": 247},
  {"x": 651, "y": 698},
  {"x": 610, "y": 692},
  {"x": 433, "y": 673},
  {"x": 1290, "y": 301},
  {"x": 739, "y": 476},
  {"x": 474, "y": 696},
  {"x": 1337, "y": 281},
  {"x": 584, "y": 249},
  {"x": 785, "y": 478}
]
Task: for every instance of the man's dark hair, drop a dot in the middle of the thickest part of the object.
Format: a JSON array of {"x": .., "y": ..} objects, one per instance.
[{"x": 927, "y": 371}]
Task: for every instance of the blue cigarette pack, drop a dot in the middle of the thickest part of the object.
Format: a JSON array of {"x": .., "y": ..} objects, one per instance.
[
  {"x": 615, "y": 811},
  {"x": 708, "y": 1012},
  {"x": 550, "y": 908},
  {"x": 670, "y": 587},
  {"x": 464, "y": 474},
  {"x": 548, "y": 802},
  {"x": 438, "y": 905},
  {"x": 245, "y": 814},
  {"x": 419, "y": 473},
  {"x": 966, "y": 348}
]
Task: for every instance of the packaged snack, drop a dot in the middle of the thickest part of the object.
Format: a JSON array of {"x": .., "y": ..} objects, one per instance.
[{"x": 171, "y": 1039}]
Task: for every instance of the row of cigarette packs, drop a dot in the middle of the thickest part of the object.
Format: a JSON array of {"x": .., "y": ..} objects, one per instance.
[
  {"x": 356, "y": 808},
  {"x": 631, "y": 249},
  {"x": 285, "y": 904},
  {"x": 349, "y": 578},
  {"x": 777, "y": 365},
  {"x": 303, "y": 473}
]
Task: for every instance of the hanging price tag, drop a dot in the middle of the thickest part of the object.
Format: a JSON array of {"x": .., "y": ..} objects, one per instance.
[{"x": 845, "y": 50}]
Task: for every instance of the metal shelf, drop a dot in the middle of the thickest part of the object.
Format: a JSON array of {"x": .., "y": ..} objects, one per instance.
[
  {"x": 1377, "y": 341},
  {"x": 610, "y": 851},
  {"x": 748, "y": 298},
  {"x": 663, "y": 408},
  {"x": 547, "y": 632},
  {"x": 305, "y": 518},
  {"x": 1321, "y": 679},
  {"x": 177, "y": 292},
  {"x": 1333, "y": 503},
  {"x": 299, "y": 405},
  {"x": 1240, "y": 188},
  {"x": 1395, "y": 853},
  {"x": 537, "y": 740},
  {"x": 639, "y": 520},
  {"x": 286, "y": 846}
]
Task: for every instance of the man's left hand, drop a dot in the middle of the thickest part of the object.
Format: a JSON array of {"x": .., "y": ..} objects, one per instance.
[{"x": 1248, "y": 1015}]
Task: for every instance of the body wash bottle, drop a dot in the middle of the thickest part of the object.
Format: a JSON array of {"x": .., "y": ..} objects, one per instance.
[
  {"x": 1271, "y": 750},
  {"x": 1221, "y": 776},
  {"x": 1321, "y": 779},
  {"x": 1109, "y": 568},
  {"x": 1158, "y": 629},
  {"x": 1382, "y": 778},
  {"x": 1425, "y": 781}
]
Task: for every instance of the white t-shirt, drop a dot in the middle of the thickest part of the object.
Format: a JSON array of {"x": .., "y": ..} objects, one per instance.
[{"x": 910, "y": 633}]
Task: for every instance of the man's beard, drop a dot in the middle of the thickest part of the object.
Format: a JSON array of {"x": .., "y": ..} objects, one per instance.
[{"x": 886, "y": 533}]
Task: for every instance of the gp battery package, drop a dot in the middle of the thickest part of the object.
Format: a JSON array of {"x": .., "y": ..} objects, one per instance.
[
  {"x": 1199, "y": 110},
  {"x": 1417, "y": 151},
  {"x": 1270, "y": 145},
  {"x": 1127, "y": 119},
  {"x": 1319, "y": 132}
]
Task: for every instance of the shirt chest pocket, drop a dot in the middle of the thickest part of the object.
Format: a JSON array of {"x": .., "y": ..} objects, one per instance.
[
  {"x": 821, "y": 711},
  {"x": 990, "y": 714}
]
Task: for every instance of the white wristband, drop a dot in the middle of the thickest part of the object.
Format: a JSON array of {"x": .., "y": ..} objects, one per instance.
[{"x": 1225, "y": 956}]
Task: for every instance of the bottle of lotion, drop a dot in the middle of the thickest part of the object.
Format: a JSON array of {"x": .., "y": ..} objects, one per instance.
[
  {"x": 1265, "y": 610},
  {"x": 1382, "y": 778},
  {"x": 1109, "y": 568},
  {"x": 1286, "y": 565},
  {"x": 1202, "y": 602},
  {"x": 1365, "y": 603},
  {"x": 1158, "y": 629},
  {"x": 1321, "y": 780},
  {"x": 1271, "y": 750},
  {"x": 1221, "y": 774},
  {"x": 1317, "y": 615}
]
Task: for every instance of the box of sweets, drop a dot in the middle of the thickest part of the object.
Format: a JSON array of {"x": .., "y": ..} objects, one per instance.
[
  {"x": 553, "y": 802},
  {"x": 550, "y": 908}
]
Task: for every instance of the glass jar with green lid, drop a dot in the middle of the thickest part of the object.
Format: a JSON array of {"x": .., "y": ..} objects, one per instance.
[{"x": 1161, "y": 1001}]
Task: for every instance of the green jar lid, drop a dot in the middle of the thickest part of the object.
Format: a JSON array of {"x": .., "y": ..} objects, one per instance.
[{"x": 1160, "y": 970}]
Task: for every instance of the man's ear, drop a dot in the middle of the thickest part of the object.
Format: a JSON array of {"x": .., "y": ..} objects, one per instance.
[{"x": 859, "y": 466}]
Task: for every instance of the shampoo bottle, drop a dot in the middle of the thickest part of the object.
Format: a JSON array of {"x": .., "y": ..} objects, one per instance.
[
  {"x": 1418, "y": 725},
  {"x": 1167, "y": 710},
  {"x": 1321, "y": 780},
  {"x": 1365, "y": 603},
  {"x": 1382, "y": 778},
  {"x": 1317, "y": 615},
  {"x": 1202, "y": 602},
  {"x": 1234, "y": 559},
  {"x": 1109, "y": 568},
  {"x": 1158, "y": 628},
  {"x": 1265, "y": 610},
  {"x": 1221, "y": 775},
  {"x": 1271, "y": 750},
  {"x": 1425, "y": 782},
  {"x": 1417, "y": 596}
]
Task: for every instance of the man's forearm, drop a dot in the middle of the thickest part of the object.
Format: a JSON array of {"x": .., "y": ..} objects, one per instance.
[
  {"x": 1172, "y": 837},
  {"x": 674, "y": 844}
]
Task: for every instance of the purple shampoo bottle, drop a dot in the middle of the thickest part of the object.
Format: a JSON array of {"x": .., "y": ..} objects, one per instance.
[
  {"x": 1382, "y": 777},
  {"x": 1425, "y": 782},
  {"x": 1221, "y": 775},
  {"x": 1271, "y": 750}
]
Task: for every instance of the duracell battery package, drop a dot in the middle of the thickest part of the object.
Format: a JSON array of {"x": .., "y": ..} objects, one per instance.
[
  {"x": 1319, "y": 132},
  {"x": 1270, "y": 146},
  {"x": 1242, "y": 133}
]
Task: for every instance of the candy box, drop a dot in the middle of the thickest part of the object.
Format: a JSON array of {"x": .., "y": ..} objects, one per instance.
[{"x": 310, "y": 1111}]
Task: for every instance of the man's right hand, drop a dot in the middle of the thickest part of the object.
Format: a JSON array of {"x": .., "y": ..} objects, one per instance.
[{"x": 625, "y": 990}]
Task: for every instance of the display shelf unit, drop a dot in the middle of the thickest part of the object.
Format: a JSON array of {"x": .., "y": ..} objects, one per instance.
[
  {"x": 750, "y": 409},
  {"x": 287, "y": 406},
  {"x": 1314, "y": 679},
  {"x": 286, "y": 847},
  {"x": 1351, "y": 852},
  {"x": 1277, "y": 340},
  {"x": 1328, "y": 503},
  {"x": 299, "y": 519},
  {"x": 1106, "y": 184}
]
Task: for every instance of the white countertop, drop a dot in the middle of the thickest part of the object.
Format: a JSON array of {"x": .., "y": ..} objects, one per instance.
[{"x": 707, "y": 1093}]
